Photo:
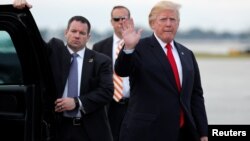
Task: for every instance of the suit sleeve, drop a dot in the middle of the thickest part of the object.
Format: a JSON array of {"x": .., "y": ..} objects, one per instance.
[
  {"x": 124, "y": 64},
  {"x": 198, "y": 106}
]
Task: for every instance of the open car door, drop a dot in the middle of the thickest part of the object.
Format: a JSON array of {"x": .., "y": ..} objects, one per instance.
[{"x": 26, "y": 85}]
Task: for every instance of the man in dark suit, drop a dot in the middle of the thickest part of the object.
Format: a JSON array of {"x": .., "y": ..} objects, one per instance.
[
  {"x": 95, "y": 86},
  {"x": 166, "y": 101},
  {"x": 117, "y": 108},
  {"x": 83, "y": 116}
]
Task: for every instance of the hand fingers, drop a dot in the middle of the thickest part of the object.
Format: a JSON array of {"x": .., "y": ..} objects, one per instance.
[
  {"x": 29, "y": 5},
  {"x": 139, "y": 32},
  {"x": 127, "y": 25},
  {"x": 131, "y": 21},
  {"x": 59, "y": 100},
  {"x": 59, "y": 108},
  {"x": 21, "y": 4},
  {"x": 59, "y": 105}
]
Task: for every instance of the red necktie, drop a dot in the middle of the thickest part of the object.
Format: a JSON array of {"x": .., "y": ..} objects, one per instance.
[
  {"x": 176, "y": 75},
  {"x": 117, "y": 80}
]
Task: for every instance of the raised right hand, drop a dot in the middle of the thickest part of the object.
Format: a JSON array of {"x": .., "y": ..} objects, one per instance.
[{"x": 130, "y": 36}]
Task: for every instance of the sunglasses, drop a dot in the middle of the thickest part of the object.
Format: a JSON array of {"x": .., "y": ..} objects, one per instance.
[{"x": 117, "y": 19}]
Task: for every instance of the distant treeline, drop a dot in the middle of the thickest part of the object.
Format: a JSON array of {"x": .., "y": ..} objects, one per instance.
[{"x": 191, "y": 34}]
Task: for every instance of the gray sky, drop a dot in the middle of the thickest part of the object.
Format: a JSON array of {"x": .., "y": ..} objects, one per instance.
[{"x": 218, "y": 15}]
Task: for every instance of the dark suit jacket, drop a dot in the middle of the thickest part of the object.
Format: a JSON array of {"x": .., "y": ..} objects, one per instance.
[
  {"x": 105, "y": 46},
  {"x": 116, "y": 111},
  {"x": 96, "y": 86},
  {"x": 154, "y": 107}
]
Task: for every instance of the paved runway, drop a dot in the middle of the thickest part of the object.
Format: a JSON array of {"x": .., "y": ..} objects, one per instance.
[{"x": 226, "y": 84}]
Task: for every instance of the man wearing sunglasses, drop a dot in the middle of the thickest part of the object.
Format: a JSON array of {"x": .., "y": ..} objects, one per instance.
[{"x": 108, "y": 46}]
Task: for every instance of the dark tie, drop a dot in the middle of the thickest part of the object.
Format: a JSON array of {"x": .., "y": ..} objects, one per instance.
[
  {"x": 176, "y": 75},
  {"x": 73, "y": 82}
]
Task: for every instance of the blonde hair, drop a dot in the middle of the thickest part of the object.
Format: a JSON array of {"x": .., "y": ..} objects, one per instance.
[{"x": 163, "y": 5}]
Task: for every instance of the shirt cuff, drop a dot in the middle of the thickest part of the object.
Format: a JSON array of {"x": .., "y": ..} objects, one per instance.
[
  {"x": 128, "y": 51},
  {"x": 81, "y": 107}
]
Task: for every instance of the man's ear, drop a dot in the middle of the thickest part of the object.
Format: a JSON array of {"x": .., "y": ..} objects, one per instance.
[
  {"x": 89, "y": 35},
  {"x": 65, "y": 32}
]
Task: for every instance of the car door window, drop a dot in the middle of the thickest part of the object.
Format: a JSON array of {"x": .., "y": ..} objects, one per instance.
[{"x": 10, "y": 68}]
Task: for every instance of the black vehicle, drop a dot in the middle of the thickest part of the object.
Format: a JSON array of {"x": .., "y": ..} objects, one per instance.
[{"x": 26, "y": 85}]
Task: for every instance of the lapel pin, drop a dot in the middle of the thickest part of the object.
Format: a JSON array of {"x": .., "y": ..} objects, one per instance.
[
  {"x": 91, "y": 60},
  {"x": 182, "y": 53}
]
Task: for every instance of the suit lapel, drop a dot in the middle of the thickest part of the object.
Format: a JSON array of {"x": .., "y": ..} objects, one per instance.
[
  {"x": 160, "y": 55},
  {"x": 108, "y": 47},
  {"x": 184, "y": 64},
  {"x": 65, "y": 61},
  {"x": 87, "y": 68}
]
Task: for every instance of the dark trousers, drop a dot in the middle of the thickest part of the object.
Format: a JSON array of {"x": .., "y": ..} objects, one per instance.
[
  {"x": 70, "y": 131},
  {"x": 187, "y": 135},
  {"x": 116, "y": 113}
]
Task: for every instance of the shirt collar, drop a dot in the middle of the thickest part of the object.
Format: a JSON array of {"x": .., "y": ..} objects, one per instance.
[
  {"x": 80, "y": 52},
  {"x": 163, "y": 44},
  {"x": 116, "y": 39}
]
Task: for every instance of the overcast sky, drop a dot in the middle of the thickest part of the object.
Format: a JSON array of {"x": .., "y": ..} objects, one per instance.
[{"x": 218, "y": 15}]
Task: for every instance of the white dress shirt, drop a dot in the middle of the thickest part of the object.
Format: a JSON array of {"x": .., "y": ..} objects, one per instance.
[
  {"x": 175, "y": 54},
  {"x": 80, "y": 60},
  {"x": 125, "y": 80}
]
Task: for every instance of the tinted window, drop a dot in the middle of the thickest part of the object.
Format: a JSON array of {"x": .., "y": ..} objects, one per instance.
[{"x": 10, "y": 68}]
